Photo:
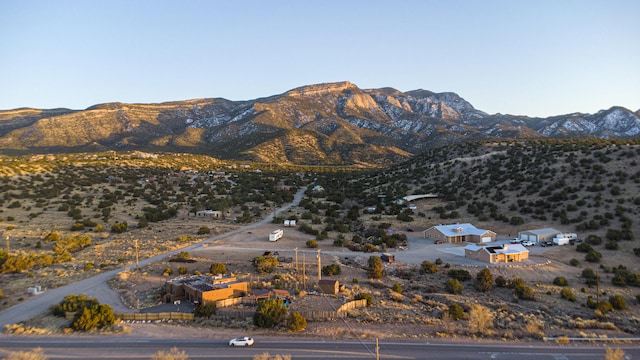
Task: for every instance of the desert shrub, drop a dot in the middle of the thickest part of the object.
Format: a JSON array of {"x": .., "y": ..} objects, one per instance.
[
  {"x": 567, "y": 293},
  {"x": 560, "y": 281},
  {"x": 364, "y": 296},
  {"x": 375, "y": 269},
  {"x": 584, "y": 248},
  {"x": 267, "y": 356},
  {"x": 614, "y": 354},
  {"x": 611, "y": 245},
  {"x": 484, "y": 280},
  {"x": 296, "y": 322},
  {"x": 265, "y": 264},
  {"x": 119, "y": 228},
  {"x": 604, "y": 307},
  {"x": 52, "y": 236},
  {"x": 185, "y": 238},
  {"x": 35, "y": 354},
  {"x": 332, "y": 269},
  {"x": 456, "y": 311},
  {"x": 593, "y": 256},
  {"x": 591, "y": 302},
  {"x": 453, "y": 286},
  {"x": 501, "y": 281},
  {"x": 312, "y": 244},
  {"x": 167, "y": 272},
  {"x": 574, "y": 262},
  {"x": 428, "y": 267},
  {"x": 73, "y": 303},
  {"x": 184, "y": 255},
  {"x": 593, "y": 240},
  {"x": 397, "y": 287},
  {"x": 217, "y": 268},
  {"x": 182, "y": 270},
  {"x": 269, "y": 313},
  {"x": 438, "y": 261},
  {"x": 172, "y": 354},
  {"x": 205, "y": 310},
  {"x": 459, "y": 274},
  {"x": 525, "y": 292},
  {"x": 203, "y": 230},
  {"x": 516, "y": 282},
  {"x": 94, "y": 317},
  {"x": 480, "y": 319},
  {"x": 617, "y": 302}
]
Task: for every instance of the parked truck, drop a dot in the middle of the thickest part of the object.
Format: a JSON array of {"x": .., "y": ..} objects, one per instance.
[{"x": 275, "y": 235}]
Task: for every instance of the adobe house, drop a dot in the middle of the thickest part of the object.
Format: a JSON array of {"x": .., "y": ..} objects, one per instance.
[
  {"x": 506, "y": 253},
  {"x": 331, "y": 287},
  {"x": 456, "y": 233},
  {"x": 204, "y": 289}
]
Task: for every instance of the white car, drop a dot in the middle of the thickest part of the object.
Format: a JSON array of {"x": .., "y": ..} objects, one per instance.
[
  {"x": 242, "y": 341},
  {"x": 528, "y": 243},
  {"x": 515, "y": 241}
]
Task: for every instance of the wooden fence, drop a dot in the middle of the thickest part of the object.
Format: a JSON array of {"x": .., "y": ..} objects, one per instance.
[{"x": 155, "y": 316}]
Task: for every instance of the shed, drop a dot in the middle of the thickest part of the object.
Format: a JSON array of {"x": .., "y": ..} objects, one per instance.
[
  {"x": 331, "y": 287},
  {"x": 538, "y": 235}
]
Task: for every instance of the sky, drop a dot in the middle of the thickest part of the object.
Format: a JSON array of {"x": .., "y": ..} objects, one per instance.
[{"x": 536, "y": 58}]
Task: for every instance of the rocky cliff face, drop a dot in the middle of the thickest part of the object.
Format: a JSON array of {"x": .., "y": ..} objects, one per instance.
[{"x": 335, "y": 123}]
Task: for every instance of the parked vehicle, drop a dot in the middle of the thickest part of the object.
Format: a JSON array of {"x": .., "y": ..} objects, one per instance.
[
  {"x": 242, "y": 341},
  {"x": 275, "y": 235},
  {"x": 528, "y": 243},
  {"x": 515, "y": 241}
]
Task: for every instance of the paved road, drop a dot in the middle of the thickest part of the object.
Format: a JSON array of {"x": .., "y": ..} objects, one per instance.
[
  {"x": 98, "y": 287},
  {"x": 113, "y": 347}
]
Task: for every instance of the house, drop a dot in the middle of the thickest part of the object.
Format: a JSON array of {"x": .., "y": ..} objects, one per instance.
[
  {"x": 209, "y": 213},
  {"x": 272, "y": 294},
  {"x": 455, "y": 233},
  {"x": 505, "y": 253},
  {"x": 317, "y": 189},
  {"x": 538, "y": 235},
  {"x": 331, "y": 287},
  {"x": 205, "y": 289}
]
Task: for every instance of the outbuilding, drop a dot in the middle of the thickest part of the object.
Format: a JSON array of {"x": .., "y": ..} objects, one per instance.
[
  {"x": 456, "y": 233},
  {"x": 331, "y": 287},
  {"x": 538, "y": 235}
]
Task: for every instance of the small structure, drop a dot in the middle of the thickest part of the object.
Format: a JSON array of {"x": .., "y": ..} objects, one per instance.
[
  {"x": 35, "y": 290},
  {"x": 538, "y": 235},
  {"x": 386, "y": 257},
  {"x": 455, "y": 233},
  {"x": 505, "y": 253},
  {"x": 564, "y": 239},
  {"x": 272, "y": 294},
  {"x": 331, "y": 287},
  {"x": 289, "y": 223},
  {"x": 276, "y": 234},
  {"x": 209, "y": 214}
]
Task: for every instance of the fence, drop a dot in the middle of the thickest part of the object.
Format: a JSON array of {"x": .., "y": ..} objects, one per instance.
[{"x": 155, "y": 316}]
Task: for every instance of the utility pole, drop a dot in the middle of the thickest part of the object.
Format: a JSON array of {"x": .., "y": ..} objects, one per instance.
[
  {"x": 296, "y": 250},
  {"x": 377, "y": 350},
  {"x": 136, "y": 245},
  {"x": 597, "y": 288},
  {"x": 304, "y": 276},
  {"x": 6, "y": 245},
  {"x": 319, "y": 267}
]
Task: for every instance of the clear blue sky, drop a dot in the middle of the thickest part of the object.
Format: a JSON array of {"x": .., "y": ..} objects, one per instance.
[{"x": 537, "y": 58}]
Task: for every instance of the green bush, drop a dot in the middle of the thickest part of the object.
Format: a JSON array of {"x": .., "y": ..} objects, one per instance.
[
  {"x": 296, "y": 322},
  {"x": 428, "y": 267},
  {"x": 364, "y": 296},
  {"x": 574, "y": 262},
  {"x": 453, "y": 286},
  {"x": 312, "y": 244},
  {"x": 269, "y": 313},
  {"x": 205, "y": 310},
  {"x": 456, "y": 311},
  {"x": 330, "y": 270},
  {"x": 204, "y": 230},
  {"x": 501, "y": 281},
  {"x": 484, "y": 280},
  {"x": 182, "y": 270},
  {"x": 397, "y": 287},
  {"x": 265, "y": 264},
  {"x": 119, "y": 228},
  {"x": 567, "y": 293},
  {"x": 617, "y": 302},
  {"x": 459, "y": 274},
  {"x": 560, "y": 281},
  {"x": 94, "y": 317},
  {"x": 217, "y": 268},
  {"x": 525, "y": 292},
  {"x": 73, "y": 303},
  {"x": 375, "y": 270}
]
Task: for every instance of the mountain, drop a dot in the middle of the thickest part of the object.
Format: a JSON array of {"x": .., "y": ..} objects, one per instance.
[{"x": 333, "y": 123}]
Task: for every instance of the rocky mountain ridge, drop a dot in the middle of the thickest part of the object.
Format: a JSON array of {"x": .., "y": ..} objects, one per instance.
[{"x": 333, "y": 123}]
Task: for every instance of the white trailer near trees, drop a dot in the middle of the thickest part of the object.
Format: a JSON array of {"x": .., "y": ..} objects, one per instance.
[
  {"x": 275, "y": 235},
  {"x": 564, "y": 239}
]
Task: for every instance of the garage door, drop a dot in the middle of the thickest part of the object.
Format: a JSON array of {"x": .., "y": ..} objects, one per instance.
[{"x": 486, "y": 239}]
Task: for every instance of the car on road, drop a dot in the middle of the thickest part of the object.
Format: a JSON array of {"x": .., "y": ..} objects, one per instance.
[
  {"x": 241, "y": 341},
  {"x": 528, "y": 243}
]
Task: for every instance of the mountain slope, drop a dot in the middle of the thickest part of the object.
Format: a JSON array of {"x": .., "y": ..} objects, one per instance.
[{"x": 334, "y": 123}]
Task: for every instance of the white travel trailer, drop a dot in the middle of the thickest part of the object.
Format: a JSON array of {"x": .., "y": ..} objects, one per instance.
[
  {"x": 564, "y": 239},
  {"x": 275, "y": 235}
]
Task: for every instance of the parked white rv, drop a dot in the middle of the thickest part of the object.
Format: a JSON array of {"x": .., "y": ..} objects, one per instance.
[
  {"x": 564, "y": 239},
  {"x": 275, "y": 235}
]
